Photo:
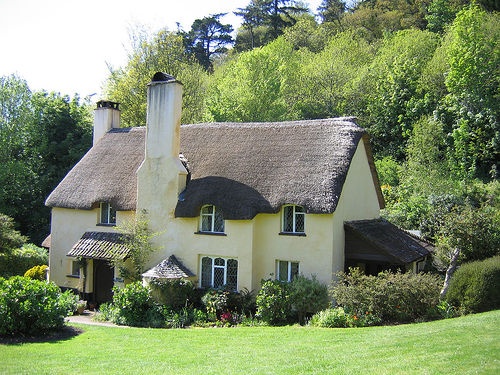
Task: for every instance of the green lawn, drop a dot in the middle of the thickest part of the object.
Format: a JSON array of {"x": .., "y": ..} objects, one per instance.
[{"x": 464, "y": 345}]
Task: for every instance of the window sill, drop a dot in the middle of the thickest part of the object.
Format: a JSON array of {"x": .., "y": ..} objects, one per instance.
[
  {"x": 212, "y": 233},
  {"x": 105, "y": 225},
  {"x": 73, "y": 276},
  {"x": 292, "y": 234}
]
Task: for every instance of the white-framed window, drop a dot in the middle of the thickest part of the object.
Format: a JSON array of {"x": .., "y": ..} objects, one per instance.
[
  {"x": 294, "y": 219},
  {"x": 75, "y": 268},
  {"x": 286, "y": 270},
  {"x": 108, "y": 214},
  {"x": 216, "y": 272},
  {"x": 211, "y": 219}
]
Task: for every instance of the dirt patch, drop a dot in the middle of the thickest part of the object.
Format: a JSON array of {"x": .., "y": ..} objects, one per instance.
[{"x": 65, "y": 333}]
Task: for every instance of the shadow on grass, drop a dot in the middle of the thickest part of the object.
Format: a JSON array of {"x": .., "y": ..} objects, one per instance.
[{"x": 65, "y": 333}]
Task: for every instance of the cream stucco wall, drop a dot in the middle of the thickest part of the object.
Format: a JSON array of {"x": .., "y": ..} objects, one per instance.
[
  {"x": 67, "y": 227},
  {"x": 256, "y": 244},
  {"x": 358, "y": 201}
]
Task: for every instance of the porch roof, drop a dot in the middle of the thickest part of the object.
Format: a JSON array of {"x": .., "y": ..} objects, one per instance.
[
  {"x": 379, "y": 240},
  {"x": 100, "y": 245}
]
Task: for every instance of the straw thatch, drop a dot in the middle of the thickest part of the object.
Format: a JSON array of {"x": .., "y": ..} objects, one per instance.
[
  {"x": 107, "y": 173},
  {"x": 100, "y": 245},
  {"x": 170, "y": 268},
  {"x": 245, "y": 169},
  {"x": 46, "y": 242},
  {"x": 379, "y": 240},
  {"x": 242, "y": 168}
]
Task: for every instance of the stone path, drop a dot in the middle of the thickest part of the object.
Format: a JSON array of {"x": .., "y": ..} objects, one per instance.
[{"x": 86, "y": 318}]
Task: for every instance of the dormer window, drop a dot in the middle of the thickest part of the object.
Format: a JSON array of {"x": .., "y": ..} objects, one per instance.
[
  {"x": 211, "y": 220},
  {"x": 293, "y": 220},
  {"x": 108, "y": 214}
]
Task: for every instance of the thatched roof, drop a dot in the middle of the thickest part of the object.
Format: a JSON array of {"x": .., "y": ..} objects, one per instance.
[
  {"x": 245, "y": 169},
  {"x": 100, "y": 245},
  {"x": 379, "y": 240},
  {"x": 242, "y": 168},
  {"x": 46, "y": 242},
  {"x": 170, "y": 268},
  {"x": 107, "y": 173}
]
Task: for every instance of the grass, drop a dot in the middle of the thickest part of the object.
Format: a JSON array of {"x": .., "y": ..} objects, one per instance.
[{"x": 463, "y": 345}]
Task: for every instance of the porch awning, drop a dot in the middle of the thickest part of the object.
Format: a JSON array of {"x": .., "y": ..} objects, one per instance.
[
  {"x": 379, "y": 240},
  {"x": 100, "y": 245},
  {"x": 170, "y": 268}
]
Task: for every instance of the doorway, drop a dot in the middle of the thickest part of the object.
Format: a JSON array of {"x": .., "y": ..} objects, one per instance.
[{"x": 103, "y": 281}]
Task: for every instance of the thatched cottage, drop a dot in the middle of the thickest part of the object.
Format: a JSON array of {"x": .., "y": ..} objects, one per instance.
[{"x": 233, "y": 203}]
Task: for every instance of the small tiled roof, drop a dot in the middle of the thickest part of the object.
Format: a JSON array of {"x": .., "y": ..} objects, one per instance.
[
  {"x": 46, "y": 242},
  {"x": 100, "y": 245},
  {"x": 393, "y": 242},
  {"x": 170, "y": 268}
]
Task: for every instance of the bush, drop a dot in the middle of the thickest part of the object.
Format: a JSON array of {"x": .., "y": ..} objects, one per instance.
[
  {"x": 308, "y": 296},
  {"x": 18, "y": 261},
  {"x": 388, "y": 296},
  {"x": 175, "y": 294},
  {"x": 475, "y": 286},
  {"x": 337, "y": 317},
  {"x": 37, "y": 272},
  {"x": 32, "y": 307},
  {"x": 273, "y": 302},
  {"x": 135, "y": 307},
  {"x": 106, "y": 313},
  {"x": 216, "y": 301}
]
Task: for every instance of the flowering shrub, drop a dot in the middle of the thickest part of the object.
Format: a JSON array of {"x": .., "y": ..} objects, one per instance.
[
  {"x": 32, "y": 307},
  {"x": 229, "y": 318},
  {"x": 388, "y": 296},
  {"x": 37, "y": 272},
  {"x": 448, "y": 311},
  {"x": 215, "y": 301},
  {"x": 337, "y": 317},
  {"x": 273, "y": 302}
]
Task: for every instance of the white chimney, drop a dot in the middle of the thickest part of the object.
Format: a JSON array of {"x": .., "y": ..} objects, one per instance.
[
  {"x": 163, "y": 117},
  {"x": 106, "y": 117},
  {"x": 161, "y": 176}
]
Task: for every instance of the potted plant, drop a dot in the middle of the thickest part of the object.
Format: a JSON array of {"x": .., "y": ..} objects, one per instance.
[{"x": 80, "y": 306}]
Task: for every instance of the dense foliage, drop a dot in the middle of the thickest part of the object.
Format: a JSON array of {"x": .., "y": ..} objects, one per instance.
[
  {"x": 134, "y": 306},
  {"x": 20, "y": 260},
  {"x": 32, "y": 307},
  {"x": 37, "y": 272},
  {"x": 475, "y": 286},
  {"x": 388, "y": 296},
  {"x": 281, "y": 302}
]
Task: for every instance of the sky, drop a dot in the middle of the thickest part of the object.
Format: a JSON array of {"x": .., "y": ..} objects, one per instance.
[{"x": 66, "y": 45}]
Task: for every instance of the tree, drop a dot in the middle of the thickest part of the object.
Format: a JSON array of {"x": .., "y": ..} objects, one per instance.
[
  {"x": 467, "y": 235},
  {"x": 254, "y": 86},
  {"x": 332, "y": 10},
  {"x": 10, "y": 238},
  {"x": 471, "y": 109},
  {"x": 150, "y": 53},
  {"x": 138, "y": 239},
  {"x": 207, "y": 37},
  {"x": 275, "y": 15},
  {"x": 252, "y": 19}
]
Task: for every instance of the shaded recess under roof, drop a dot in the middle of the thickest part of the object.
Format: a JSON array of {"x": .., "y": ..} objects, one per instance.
[
  {"x": 380, "y": 241},
  {"x": 100, "y": 245}
]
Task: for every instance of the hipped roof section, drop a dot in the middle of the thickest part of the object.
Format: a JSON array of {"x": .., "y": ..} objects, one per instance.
[{"x": 242, "y": 168}]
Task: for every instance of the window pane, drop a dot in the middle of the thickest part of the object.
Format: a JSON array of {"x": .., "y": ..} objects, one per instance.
[
  {"x": 75, "y": 268},
  {"x": 299, "y": 209},
  {"x": 232, "y": 274},
  {"x": 218, "y": 277},
  {"x": 294, "y": 270},
  {"x": 219, "y": 262},
  {"x": 299, "y": 223},
  {"x": 219, "y": 222},
  {"x": 282, "y": 270},
  {"x": 288, "y": 219},
  {"x": 206, "y": 272},
  {"x": 104, "y": 213},
  {"x": 206, "y": 223},
  {"x": 112, "y": 215},
  {"x": 207, "y": 210}
]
